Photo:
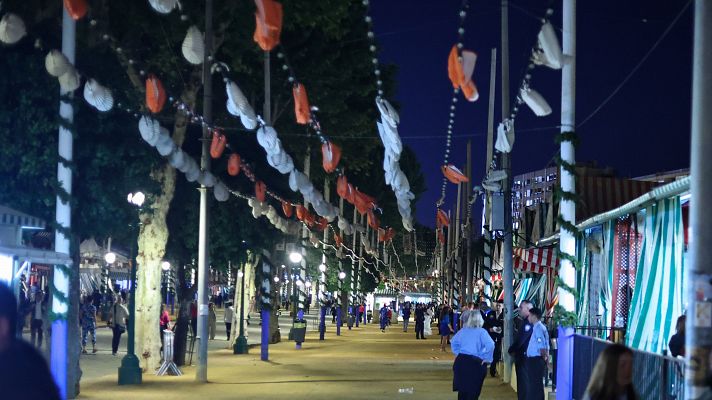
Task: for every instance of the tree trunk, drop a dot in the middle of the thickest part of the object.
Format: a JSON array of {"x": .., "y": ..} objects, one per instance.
[
  {"x": 275, "y": 336},
  {"x": 151, "y": 249},
  {"x": 249, "y": 290}
]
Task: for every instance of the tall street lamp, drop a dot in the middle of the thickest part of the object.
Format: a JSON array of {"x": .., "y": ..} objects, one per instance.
[
  {"x": 342, "y": 275},
  {"x": 240, "y": 346},
  {"x": 322, "y": 302},
  {"x": 295, "y": 258},
  {"x": 129, "y": 371}
]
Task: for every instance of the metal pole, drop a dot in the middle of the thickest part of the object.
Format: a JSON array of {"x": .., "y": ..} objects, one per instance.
[
  {"x": 468, "y": 230},
  {"x": 508, "y": 273},
  {"x": 63, "y": 216},
  {"x": 486, "y": 210},
  {"x": 201, "y": 373},
  {"x": 699, "y": 338},
  {"x": 321, "y": 287},
  {"x": 130, "y": 372}
]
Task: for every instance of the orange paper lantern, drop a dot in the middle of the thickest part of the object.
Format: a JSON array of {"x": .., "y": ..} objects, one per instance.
[
  {"x": 76, "y": 9},
  {"x": 287, "y": 209},
  {"x": 155, "y": 94},
  {"x": 260, "y": 190},
  {"x": 217, "y": 146},
  {"x": 301, "y": 104},
  {"x": 330, "y": 156},
  {"x": 233, "y": 164}
]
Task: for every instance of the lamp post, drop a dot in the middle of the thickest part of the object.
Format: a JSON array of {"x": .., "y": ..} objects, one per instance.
[
  {"x": 295, "y": 258},
  {"x": 109, "y": 258},
  {"x": 322, "y": 302},
  {"x": 129, "y": 371},
  {"x": 240, "y": 346},
  {"x": 342, "y": 275}
]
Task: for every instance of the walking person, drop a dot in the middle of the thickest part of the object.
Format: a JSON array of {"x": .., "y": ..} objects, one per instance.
[
  {"x": 406, "y": 316},
  {"x": 228, "y": 317},
  {"x": 39, "y": 310},
  {"x": 419, "y": 322},
  {"x": 519, "y": 347},
  {"x": 445, "y": 327},
  {"x": 494, "y": 322},
  {"x": 212, "y": 321},
  {"x": 118, "y": 316},
  {"x": 88, "y": 317},
  {"x": 473, "y": 349},
  {"x": 164, "y": 322},
  {"x": 383, "y": 317},
  {"x": 537, "y": 356},
  {"x": 612, "y": 376}
]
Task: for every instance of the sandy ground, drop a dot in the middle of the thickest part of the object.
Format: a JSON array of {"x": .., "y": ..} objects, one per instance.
[{"x": 363, "y": 363}]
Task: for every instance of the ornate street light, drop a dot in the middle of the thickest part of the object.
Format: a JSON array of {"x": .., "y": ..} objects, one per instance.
[
  {"x": 295, "y": 257},
  {"x": 110, "y": 258},
  {"x": 129, "y": 371}
]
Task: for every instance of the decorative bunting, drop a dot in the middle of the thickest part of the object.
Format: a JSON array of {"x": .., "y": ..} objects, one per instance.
[
  {"x": 460, "y": 67},
  {"x": 535, "y": 101}
]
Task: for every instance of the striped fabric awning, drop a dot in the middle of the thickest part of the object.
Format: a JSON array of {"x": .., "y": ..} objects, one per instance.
[
  {"x": 544, "y": 256},
  {"x": 600, "y": 194},
  {"x": 523, "y": 267},
  {"x": 8, "y": 216}
]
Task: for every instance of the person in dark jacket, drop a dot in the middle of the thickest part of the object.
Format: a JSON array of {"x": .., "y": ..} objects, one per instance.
[
  {"x": 677, "y": 341},
  {"x": 406, "y": 316},
  {"x": 494, "y": 324},
  {"x": 419, "y": 322},
  {"x": 23, "y": 371},
  {"x": 519, "y": 347}
]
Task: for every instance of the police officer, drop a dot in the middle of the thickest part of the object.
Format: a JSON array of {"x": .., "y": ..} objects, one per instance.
[
  {"x": 536, "y": 356},
  {"x": 519, "y": 347}
]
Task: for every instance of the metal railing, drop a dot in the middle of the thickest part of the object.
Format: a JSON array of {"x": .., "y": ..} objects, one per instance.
[{"x": 654, "y": 376}]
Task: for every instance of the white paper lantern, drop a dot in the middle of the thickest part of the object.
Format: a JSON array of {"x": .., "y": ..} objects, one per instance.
[
  {"x": 535, "y": 101},
  {"x": 497, "y": 175},
  {"x": 177, "y": 159},
  {"x": 98, "y": 96},
  {"x": 193, "y": 46},
  {"x": 163, "y": 6},
  {"x": 388, "y": 113},
  {"x": 56, "y": 63},
  {"x": 12, "y": 29},
  {"x": 235, "y": 95},
  {"x": 150, "y": 130},
  {"x": 165, "y": 144},
  {"x": 206, "y": 179},
  {"x": 69, "y": 81},
  {"x": 552, "y": 55},
  {"x": 505, "y": 136}
]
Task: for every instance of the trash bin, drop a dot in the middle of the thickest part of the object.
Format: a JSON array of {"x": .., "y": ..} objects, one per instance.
[{"x": 299, "y": 330}]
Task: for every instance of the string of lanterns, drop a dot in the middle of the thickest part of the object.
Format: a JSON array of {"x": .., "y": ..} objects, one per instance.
[{"x": 388, "y": 132}]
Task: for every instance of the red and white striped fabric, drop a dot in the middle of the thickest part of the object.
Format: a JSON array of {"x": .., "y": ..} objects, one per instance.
[
  {"x": 523, "y": 267},
  {"x": 600, "y": 194},
  {"x": 545, "y": 256}
]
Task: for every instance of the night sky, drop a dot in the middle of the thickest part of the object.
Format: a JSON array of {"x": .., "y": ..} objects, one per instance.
[{"x": 643, "y": 129}]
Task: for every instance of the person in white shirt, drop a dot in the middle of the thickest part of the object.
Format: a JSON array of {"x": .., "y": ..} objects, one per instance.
[
  {"x": 537, "y": 356},
  {"x": 118, "y": 315},
  {"x": 228, "y": 318},
  {"x": 473, "y": 348}
]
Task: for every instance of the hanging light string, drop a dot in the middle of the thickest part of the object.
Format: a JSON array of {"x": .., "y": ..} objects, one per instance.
[{"x": 453, "y": 101}]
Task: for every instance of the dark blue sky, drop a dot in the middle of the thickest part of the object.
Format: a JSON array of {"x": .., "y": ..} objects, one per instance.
[{"x": 644, "y": 128}]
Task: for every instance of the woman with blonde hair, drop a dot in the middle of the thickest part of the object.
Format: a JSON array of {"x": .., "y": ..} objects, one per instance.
[
  {"x": 612, "y": 376},
  {"x": 473, "y": 348}
]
